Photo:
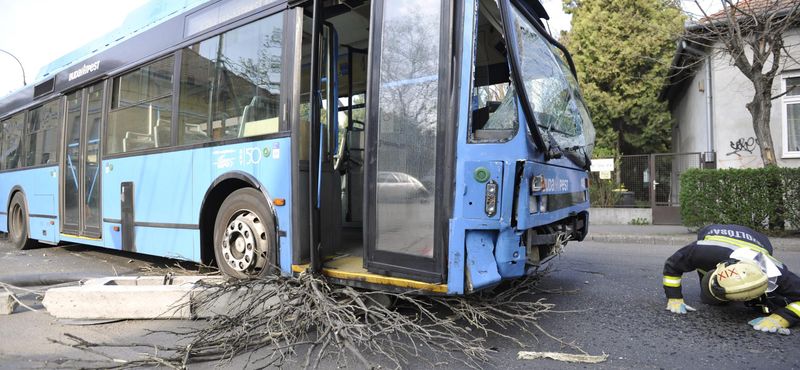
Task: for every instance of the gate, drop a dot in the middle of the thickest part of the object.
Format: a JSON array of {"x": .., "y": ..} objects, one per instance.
[{"x": 666, "y": 185}]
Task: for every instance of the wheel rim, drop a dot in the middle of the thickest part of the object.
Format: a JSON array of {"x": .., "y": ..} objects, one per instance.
[
  {"x": 16, "y": 221},
  {"x": 243, "y": 243}
]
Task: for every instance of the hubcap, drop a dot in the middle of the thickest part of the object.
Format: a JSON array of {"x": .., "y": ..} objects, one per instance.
[{"x": 242, "y": 241}]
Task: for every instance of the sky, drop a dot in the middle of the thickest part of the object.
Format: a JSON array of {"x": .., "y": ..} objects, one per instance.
[{"x": 38, "y": 32}]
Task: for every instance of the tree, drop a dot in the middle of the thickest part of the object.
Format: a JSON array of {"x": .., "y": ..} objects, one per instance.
[
  {"x": 752, "y": 33},
  {"x": 622, "y": 50}
]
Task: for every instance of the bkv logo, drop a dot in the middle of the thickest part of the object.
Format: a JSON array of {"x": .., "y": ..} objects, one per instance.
[{"x": 223, "y": 162}]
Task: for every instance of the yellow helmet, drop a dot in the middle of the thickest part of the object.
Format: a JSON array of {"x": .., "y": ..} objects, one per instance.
[{"x": 736, "y": 280}]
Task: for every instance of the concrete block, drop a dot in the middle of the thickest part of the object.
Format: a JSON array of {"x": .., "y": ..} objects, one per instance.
[
  {"x": 7, "y": 303},
  {"x": 119, "y": 302},
  {"x": 150, "y": 297}
]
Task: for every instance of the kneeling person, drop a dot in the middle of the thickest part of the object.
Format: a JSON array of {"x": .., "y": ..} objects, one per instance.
[{"x": 735, "y": 263}]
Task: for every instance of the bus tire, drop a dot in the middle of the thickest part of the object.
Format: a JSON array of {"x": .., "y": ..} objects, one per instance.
[
  {"x": 18, "y": 223},
  {"x": 244, "y": 232}
]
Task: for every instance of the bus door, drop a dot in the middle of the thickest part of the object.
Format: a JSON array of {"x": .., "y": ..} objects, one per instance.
[
  {"x": 80, "y": 169},
  {"x": 404, "y": 154}
]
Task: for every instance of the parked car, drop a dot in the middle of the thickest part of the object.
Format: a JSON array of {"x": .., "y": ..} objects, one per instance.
[{"x": 398, "y": 187}]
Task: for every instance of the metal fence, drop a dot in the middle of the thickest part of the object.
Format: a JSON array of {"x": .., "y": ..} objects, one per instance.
[
  {"x": 668, "y": 169},
  {"x": 636, "y": 176},
  {"x": 629, "y": 183}
]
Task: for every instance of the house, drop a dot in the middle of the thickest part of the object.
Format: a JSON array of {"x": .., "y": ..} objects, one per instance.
[{"x": 707, "y": 97}]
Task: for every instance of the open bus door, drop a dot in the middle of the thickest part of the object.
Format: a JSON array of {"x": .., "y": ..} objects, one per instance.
[{"x": 405, "y": 234}]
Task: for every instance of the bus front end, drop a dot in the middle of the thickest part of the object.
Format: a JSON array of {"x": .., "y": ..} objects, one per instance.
[{"x": 521, "y": 178}]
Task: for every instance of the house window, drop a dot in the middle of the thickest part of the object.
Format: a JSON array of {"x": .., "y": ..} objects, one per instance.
[{"x": 791, "y": 122}]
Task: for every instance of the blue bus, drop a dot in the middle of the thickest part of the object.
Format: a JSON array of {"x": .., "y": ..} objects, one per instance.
[{"x": 440, "y": 146}]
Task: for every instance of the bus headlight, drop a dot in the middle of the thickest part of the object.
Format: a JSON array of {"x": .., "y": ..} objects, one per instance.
[{"x": 537, "y": 183}]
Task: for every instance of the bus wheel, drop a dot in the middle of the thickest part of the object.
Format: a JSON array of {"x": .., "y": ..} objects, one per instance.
[
  {"x": 18, "y": 224},
  {"x": 243, "y": 234}
]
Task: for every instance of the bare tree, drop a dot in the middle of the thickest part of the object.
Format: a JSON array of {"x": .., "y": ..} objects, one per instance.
[{"x": 753, "y": 33}]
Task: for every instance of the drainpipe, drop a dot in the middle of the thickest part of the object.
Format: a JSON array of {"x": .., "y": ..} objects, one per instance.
[{"x": 710, "y": 155}]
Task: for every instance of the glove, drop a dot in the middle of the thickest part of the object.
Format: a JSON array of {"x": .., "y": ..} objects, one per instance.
[
  {"x": 677, "y": 305},
  {"x": 772, "y": 323}
]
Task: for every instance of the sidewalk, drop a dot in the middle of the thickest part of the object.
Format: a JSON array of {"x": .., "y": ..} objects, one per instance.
[{"x": 664, "y": 234}]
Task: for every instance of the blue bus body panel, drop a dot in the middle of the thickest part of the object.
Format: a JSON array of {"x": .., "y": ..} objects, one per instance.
[
  {"x": 559, "y": 180},
  {"x": 162, "y": 184},
  {"x": 471, "y": 230},
  {"x": 169, "y": 189},
  {"x": 40, "y": 187}
]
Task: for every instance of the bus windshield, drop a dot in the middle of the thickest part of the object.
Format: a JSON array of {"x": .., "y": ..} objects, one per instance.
[{"x": 553, "y": 93}]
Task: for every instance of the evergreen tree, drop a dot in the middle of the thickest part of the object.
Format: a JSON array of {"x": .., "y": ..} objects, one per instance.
[{"x": 622, "y": 50}]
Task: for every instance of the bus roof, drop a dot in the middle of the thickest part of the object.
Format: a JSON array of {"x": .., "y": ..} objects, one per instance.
[{"x": 149, "y": 14}]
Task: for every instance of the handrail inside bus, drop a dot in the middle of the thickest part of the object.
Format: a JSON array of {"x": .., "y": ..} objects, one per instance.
[{"x": 72, "y": 168}]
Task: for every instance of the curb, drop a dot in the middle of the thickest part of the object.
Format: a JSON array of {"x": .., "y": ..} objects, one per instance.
[
  {"x": 641, "y": 239},
  {"x": 780, "y": 244}
]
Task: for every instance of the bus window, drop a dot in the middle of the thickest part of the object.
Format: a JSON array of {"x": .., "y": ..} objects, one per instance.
[
  {"x": 325, "y": 91},
  {"x": 407, "y": 132},
  {"x": 494, "y": 108},
  {"x": 552, "y": 92},
  {"x": 230, "y": 84},
  {"x": 141, "y": 109},
  {"x": 10, "y": 140},
  {"x": 42, "y": 135}
]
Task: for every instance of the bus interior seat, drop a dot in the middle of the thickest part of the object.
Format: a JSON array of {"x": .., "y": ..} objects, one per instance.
[
  {"x": 193, "y": 132},
  {"x": 163, "y": 132},
  {"x": 136, "y": 141},
  {"x": 481, "y": 116},
  {"x": 254, "y": 118}
]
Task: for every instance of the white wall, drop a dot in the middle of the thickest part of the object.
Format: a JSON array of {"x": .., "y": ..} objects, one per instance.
[
  {"x": 734, "y": 122},
  {"x": 733, "y": 125},
  {"x": 618, "y": 216},
  {"x": 689, "y": 131}
]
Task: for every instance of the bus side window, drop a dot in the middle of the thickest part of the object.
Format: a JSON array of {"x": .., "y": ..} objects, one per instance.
[
  {"x": 230, "y": 84},
  {"x": 141, "y": 108},
  {"x": 10, "y": 140},
  {"x": 42, "y": 135},
  {"x": 493, "y": 105}
]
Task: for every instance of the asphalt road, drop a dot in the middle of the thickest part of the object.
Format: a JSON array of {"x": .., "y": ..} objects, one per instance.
[{"x": 617, "y": 308}]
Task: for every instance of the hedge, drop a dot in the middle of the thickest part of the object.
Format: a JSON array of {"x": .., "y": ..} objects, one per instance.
[{"x": 765, "y": 199}]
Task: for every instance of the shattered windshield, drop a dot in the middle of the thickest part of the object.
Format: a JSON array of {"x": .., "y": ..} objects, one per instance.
[{"x": 552, "y": 90}]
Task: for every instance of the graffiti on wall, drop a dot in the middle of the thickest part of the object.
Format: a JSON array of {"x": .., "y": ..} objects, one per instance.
[{"x": 743, "y": 145}]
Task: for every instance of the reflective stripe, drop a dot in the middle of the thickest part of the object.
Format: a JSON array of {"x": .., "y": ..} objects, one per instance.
[
  {"x": 718, "y": 244},
  {"x": 794, "y": 307},
  {"x": 672, "y": 281},
  {"x": 743, "y": 244},
  {"x": 702, "y": 271}
]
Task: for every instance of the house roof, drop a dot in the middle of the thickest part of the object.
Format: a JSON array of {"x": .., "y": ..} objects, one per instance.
[{"x": 751, "y": 7}]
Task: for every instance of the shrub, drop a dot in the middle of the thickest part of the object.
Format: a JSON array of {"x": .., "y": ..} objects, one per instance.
[
  {"x": 765, "y": 199},
  {"x": 603, "y": 193}
]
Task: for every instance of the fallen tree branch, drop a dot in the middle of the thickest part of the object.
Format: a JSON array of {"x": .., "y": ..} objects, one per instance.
[{"x": 271, "y": 319}]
